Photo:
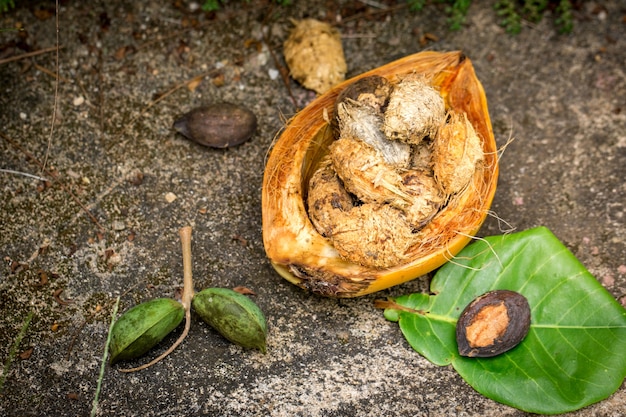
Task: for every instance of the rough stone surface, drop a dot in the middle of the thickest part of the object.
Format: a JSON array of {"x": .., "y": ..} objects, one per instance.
[{"x": 561, "y": 97}]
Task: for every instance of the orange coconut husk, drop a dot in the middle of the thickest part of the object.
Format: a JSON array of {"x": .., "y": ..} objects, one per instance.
[{"x": 306, "y": 258}]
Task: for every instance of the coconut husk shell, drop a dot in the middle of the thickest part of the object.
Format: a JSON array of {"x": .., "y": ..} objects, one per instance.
[{"x": 303, "y": 256}]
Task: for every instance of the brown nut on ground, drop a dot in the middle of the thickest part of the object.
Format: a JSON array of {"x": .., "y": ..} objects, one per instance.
[
  {"x": 217, "y": 125},
  {"x": 492, "y": 324}
]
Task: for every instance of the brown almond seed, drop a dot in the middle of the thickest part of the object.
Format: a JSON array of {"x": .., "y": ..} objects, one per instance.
[
  {"x": 492, "y": 324},
  {"x": 218, "y": 125}
]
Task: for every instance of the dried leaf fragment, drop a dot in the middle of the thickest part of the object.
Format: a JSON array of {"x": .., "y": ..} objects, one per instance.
[{"x": 314, "y": 55}]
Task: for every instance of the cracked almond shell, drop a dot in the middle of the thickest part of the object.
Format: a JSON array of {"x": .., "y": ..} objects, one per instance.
[
  {"x": 303, "y": 256},
  {"x": 492, "y": 324}
]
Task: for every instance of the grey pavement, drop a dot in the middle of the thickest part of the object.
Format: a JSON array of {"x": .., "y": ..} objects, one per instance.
[{"x": 562, "y": 98}]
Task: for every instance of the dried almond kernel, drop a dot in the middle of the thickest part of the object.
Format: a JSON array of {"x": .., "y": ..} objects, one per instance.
[{"x": 492, "y": 324}]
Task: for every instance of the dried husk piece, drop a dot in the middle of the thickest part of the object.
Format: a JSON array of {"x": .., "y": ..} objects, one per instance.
[
  {"x": 372, "y": 91},
  {"x": 314, "y": 55},
  {"x": 415, "y": 110},
  {"x": 327, "y": 199},
  {"x": 456, "y": 153},
  {"x": 303, "y": 256},
  {"x": 365, "y": 174},
  {"x": 367, "y": 234},
  {"x": 364, "y": 122},
  {"x": 426, "y": 197},
  {"x": 373, "y": 234},
  {"x": 421, "y": 157}
]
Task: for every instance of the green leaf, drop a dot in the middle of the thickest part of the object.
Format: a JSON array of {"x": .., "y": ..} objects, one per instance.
[{"x": 575, "y": 352}]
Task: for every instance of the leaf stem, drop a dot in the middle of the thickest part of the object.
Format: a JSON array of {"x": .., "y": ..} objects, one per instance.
[
  {"x": 94, "y": 407},
  {"x": 391, "y": 304},
  {"x": 188, "y": 291}
]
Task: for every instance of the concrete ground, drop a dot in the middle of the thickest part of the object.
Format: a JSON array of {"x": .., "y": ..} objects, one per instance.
[{"x": 562, "y": 97}]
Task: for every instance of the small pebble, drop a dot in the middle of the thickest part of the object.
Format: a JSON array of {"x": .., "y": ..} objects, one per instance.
[
  {"x": 170, "y": 197},
  {"x": 273, "y": 73},
  {"x": 608, "y": 280},
  {"x": 118, "y": 225}
]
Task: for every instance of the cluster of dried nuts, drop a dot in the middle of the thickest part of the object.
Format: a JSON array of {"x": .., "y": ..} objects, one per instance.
[{"x": 399, "y": 157}]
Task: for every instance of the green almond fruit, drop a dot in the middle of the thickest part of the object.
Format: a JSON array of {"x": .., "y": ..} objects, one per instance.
[
  {"x": 233, "y": 315},
  {"x": 143, "y": 326}
]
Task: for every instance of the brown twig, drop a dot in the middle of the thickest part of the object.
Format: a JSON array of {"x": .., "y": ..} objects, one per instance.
[
  {"x": 51, "y": 73},
  {"x": 390, "y": 303},
  {"x": 358, "y": 16},
  {"x": 56, "y": 93},
  {"x": 29, "y": 55}
]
